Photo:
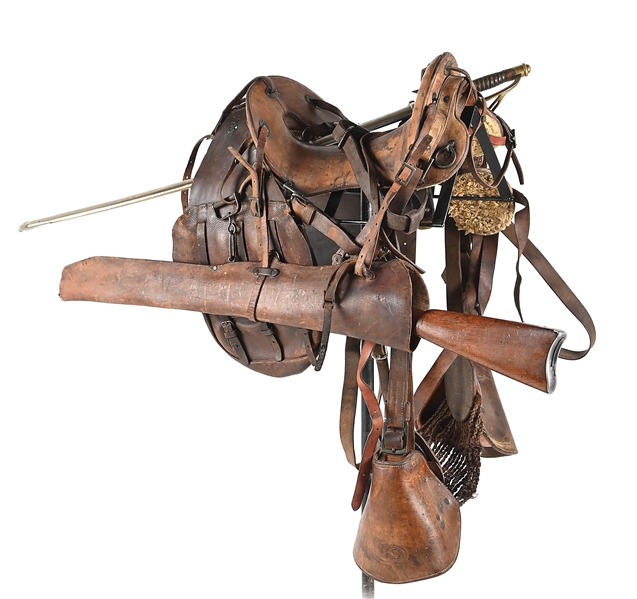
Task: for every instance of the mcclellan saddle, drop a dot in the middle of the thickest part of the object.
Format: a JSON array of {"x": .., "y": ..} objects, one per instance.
[{"x": 300, "y": 223}]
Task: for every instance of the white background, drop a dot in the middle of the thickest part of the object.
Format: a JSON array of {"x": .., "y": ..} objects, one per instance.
[{"x": 138, "y": 460}]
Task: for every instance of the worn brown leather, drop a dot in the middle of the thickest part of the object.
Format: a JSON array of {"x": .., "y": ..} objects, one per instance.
[
  {"x": 292, "y": 108},
  {"x": 382, "y": 310},
  {"x": 410, "y": 527},
  {"x": 284, "y": 240},
  {"x": 498, "y": 438}
]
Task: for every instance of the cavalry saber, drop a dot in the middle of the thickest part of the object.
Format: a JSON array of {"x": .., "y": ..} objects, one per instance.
[
  {"x": 482, "y": 84},
  {"x": 127, "y": 201}
]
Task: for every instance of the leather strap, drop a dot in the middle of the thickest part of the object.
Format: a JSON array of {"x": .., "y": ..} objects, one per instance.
[
  {"x": 432, "y": 379},
  {"x": 404, "y": 185},
  {"x": 328, "y": 306},
  {"x": 453, "y": 267},
  {"x": 185, "y": 194},
  {"x": 371, "y": 401},
  {"x": 349, "y": 138},
  {"x": 268, "y": 332},
  {"x": 259, "y": 197},
  {"x": 382, "y": 366},
  {"x": 349, "y": 399},
  {"x": 559, "y": 287},
  {"x": 398, "y": 433},
  {"x": 470, "y": 296},
  {"x": 202, "y": 235},
  {"x": 486, "y": 270},
  {"x": 408, "y": 222},
  {"x": 230, "y": 333},
  {"x": 310, "y": 215}
]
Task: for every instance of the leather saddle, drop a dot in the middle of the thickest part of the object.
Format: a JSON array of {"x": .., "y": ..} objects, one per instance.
[
  {"x": 296, "y": 117},
  {"x": 300, "y": 222}
]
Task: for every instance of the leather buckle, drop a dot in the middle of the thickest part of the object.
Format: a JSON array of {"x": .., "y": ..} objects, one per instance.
[{"x": 412, "y": 170}]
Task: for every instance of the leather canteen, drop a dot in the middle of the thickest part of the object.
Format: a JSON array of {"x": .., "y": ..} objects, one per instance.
[
  {"x": 410, "y": 527},
  {"x": 382, "y": 310}
]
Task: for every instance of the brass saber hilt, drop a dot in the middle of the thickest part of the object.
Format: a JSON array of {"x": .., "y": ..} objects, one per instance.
[{"x": 495, "y": 79}]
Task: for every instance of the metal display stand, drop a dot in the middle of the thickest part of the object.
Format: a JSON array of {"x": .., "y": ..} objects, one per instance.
[{"x": 367, "y": 582}]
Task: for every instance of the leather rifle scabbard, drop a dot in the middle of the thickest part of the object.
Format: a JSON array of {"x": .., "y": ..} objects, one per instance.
[{"x": 381, "y": 310}]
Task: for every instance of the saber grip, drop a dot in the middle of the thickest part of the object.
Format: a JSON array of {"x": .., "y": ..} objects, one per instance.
[{"x": 495, "y": 79}]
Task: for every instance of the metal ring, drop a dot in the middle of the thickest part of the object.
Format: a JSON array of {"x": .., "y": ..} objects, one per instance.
[{"x": 450, "y": 155}]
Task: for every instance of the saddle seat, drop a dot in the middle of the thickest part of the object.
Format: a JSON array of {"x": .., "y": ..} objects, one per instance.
[{"x": 291, "y": 111}]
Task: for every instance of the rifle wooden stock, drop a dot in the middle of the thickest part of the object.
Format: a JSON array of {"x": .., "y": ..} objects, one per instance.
[{"x": 523, "y": 352}]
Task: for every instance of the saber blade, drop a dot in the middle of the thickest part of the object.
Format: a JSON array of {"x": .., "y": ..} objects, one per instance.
[{"x": 127, "y": 201}]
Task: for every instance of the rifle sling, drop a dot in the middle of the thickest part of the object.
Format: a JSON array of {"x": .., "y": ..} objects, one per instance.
[{"x": 559, "y": 287}]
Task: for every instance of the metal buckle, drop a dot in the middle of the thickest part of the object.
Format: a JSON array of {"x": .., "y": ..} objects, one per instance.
[
  {"x": 218, "y": 205},
  {"x": 447, "y": 154},
  {"x": 390, "y": 450},
  {"x": 255, "y": 207},
  {"x": 262, "y": 271},
  {"x": 412, "y": 170},
  {"x": 381, "y": 354},
  {"x": 289, "y": 186}
]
